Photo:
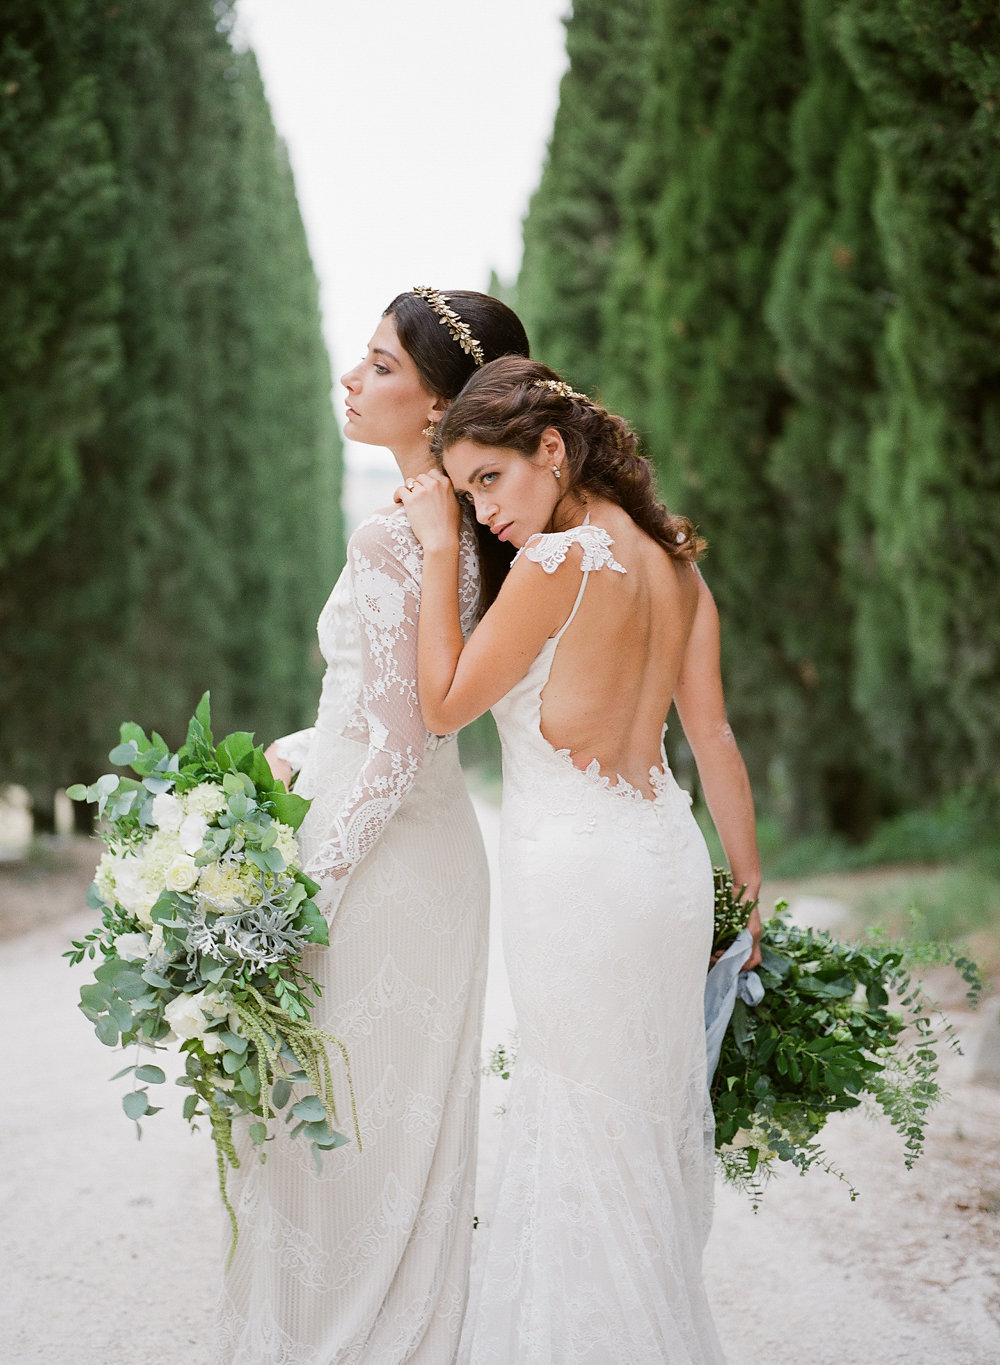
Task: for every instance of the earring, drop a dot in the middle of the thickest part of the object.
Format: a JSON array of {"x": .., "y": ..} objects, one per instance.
[
  {"x": 428, "y": 430},
  {"x": 557, "y": 471}
]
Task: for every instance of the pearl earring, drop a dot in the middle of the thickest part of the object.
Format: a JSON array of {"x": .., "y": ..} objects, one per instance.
[{"x": 557, "y": 471}]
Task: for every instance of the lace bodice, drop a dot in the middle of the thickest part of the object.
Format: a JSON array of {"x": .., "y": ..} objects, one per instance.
[{"x": 368, "y": 637}]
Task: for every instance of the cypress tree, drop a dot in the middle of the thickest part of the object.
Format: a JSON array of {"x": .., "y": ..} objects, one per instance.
[
  {"x": 60, "y": 263},
  {"x": 572, "y": 226},
  {"x": 199, "y": 546},
  {"x": 931, "y": 76}
]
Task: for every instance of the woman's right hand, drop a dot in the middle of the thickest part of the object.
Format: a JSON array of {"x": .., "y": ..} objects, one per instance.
[
  {"x": 433, "y": 508},
  {"x": 280, "y": 767}
]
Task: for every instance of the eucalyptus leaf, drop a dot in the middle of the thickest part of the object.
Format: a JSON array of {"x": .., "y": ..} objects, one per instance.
[
  {"x": 135, "y": 1103},
  {"x": 153, "y": 1075},
  {"x": 311, "y": 1109},
  {"x": 107, "y": 1031}
]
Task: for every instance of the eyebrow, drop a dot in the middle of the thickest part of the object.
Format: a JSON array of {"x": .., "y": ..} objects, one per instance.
[{"x": 380, "y": 350}]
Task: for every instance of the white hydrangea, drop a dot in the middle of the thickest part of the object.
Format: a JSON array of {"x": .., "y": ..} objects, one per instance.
[
  {"x": 286, "y": 843},
  {"x": 221, "y": 883},
  {"x": 206, "y": 799}
]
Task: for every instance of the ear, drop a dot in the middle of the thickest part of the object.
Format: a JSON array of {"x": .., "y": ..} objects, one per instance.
[
  {"x": 552, "y": 448},
  {"x": 437, "y": 409}
]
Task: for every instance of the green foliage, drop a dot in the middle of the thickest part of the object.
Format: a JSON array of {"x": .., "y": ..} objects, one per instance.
[
  {"x": 839, "y": 1024},
  {"x": 190, "y": 528},
  {"x": 204, "y": 919},
  {"x": 781, "y": 262}
]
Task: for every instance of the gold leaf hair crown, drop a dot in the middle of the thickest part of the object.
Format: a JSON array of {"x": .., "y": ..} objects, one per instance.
[
  {"x": 560, "y": 387},
  {"x": 447, "y": 317}
]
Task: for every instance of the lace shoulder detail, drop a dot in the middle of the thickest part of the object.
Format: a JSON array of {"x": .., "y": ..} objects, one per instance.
[{"x": 550, "y": 548}]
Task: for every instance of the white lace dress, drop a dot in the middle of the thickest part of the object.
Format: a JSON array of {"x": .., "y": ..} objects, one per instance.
[
  {"x": 367, "y": 1262},
  {"x": 604, "y": 1190}
]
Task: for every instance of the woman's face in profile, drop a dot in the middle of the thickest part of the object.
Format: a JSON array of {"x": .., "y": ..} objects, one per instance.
[{"x": 387, "y": 403}]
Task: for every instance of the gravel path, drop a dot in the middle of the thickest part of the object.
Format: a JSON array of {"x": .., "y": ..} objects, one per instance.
[{"x": 111, "y": 1248}]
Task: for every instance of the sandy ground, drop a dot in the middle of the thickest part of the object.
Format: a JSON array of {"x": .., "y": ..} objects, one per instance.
[{"x": 111, "y": 1248}]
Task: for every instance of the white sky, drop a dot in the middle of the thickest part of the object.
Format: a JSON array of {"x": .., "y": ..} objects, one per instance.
[{"x": 417, "y": 131}]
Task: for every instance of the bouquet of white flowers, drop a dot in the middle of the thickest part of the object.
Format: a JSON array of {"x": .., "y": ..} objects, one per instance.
[{"x": 204, "y": 917}]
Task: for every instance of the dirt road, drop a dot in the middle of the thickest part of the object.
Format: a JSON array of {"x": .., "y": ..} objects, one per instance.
[{"x": 111, "y": 1248}]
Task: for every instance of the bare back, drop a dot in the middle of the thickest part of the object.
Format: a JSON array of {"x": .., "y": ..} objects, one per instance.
[{"x": 616, "y": 668}]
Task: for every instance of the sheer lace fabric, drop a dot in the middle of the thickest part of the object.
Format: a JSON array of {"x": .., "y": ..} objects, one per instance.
[
  {"x": 367, "y": 1261},
  {"x": 603, "y": 1197}
]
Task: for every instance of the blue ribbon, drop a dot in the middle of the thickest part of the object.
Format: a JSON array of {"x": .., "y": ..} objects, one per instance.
[{"x": 724, "y": 983}]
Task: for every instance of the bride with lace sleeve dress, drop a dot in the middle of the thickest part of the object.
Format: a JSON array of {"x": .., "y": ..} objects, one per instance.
[
  {"x": 604, "y": 1190},
  {"x": 366, "y": 1261}
]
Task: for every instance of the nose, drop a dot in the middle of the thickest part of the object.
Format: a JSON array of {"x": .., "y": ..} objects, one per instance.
[
  {"x": 350, "y": 379},
  {"x": 486, "y": 510}
]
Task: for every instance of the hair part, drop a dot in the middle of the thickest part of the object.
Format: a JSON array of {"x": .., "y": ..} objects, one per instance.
[{"x": 510, "y": 402}]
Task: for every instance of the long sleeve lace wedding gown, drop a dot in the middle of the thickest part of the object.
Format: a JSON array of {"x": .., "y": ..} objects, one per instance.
[
  {"x": 606, "y": 1167},
  {"x": 366, "y": 1263}
]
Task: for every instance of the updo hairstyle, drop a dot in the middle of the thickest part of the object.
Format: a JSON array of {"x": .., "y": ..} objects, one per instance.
[{"x": 510, "y": 402}]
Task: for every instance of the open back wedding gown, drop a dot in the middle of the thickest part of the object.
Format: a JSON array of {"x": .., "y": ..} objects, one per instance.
[
  {"x": 367, "y": 1261},
  {"x": 606, "y": 1167}
]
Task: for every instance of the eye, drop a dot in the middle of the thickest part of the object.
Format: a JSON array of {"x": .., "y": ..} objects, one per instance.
[
  {"x": 486, "y": 479},
  {"x": 379, "y": 368},
  {"x": 467, "y": 498}
]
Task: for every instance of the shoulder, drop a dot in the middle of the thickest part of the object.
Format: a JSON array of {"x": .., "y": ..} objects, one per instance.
[
  {"x": 550, "y": 549},
  {"x": 385, "y": 538},
  {"x": 385, "y": 541}
]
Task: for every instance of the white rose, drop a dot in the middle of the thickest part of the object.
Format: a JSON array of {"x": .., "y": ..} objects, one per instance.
[
  {"x": 192, "y": 832},
  {"x": 132, "y": 947},
  {"x": 190, "y": 1015},
  {"x": 168, "y": 813},
  {"x": 182, "y": 874}
]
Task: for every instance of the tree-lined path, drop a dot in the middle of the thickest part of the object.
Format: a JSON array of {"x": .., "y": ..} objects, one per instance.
[{"x": 111, "y": 1248}]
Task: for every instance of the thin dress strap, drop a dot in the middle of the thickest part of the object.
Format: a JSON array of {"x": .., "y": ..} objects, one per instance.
[{"x": 550, "y": 549}]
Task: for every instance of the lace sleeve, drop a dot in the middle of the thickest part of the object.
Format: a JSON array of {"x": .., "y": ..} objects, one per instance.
[
  {"x": 386, "y": 594},
  {"x": 293, "y": 748}
]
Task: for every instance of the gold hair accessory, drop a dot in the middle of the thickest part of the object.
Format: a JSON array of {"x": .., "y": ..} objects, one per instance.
[
  {"x": 560, "y": 387},
  {"x": 459, "y": 330}
]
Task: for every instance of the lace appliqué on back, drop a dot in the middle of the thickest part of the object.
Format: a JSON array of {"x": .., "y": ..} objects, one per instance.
[{"x": 550, "y": 548}]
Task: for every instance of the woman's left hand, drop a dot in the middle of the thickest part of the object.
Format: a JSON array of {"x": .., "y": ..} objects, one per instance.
[
  {"x": 755, "y": 927},
  {"x": 433, "y": 509}
]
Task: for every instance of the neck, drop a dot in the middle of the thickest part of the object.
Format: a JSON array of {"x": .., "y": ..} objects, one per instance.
[
  {"x": 414, "y": 459},
  {"x": 570, "y": 510}
]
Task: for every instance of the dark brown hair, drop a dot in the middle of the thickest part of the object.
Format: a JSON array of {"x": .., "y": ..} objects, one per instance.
[
  {"x": 444, "y": 367},
  {"x": 442, "y": 364},
  {"x": 509, "y": 403}
]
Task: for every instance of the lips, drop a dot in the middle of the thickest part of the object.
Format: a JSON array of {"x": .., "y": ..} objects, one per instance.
[{"x": 500, "y": 531}]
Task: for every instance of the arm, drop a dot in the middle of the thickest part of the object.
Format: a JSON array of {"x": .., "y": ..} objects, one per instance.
[
  {"x": 459, "y": 681},
  {"x": 702, "y": 710},
  {"x": 386, "y": 600}
]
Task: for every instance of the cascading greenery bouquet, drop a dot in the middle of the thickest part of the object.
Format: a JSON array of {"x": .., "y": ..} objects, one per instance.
[
  {"x": 840, "y": 1025},
  {"x": 205, "y": 913}
]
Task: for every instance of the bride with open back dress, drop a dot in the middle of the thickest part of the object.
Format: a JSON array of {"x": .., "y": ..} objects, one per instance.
[
  {"x": 366, "y": 1261},
  {"x": 605, "y": 1182}
]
